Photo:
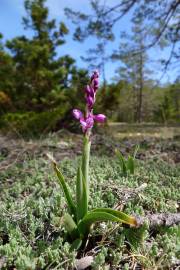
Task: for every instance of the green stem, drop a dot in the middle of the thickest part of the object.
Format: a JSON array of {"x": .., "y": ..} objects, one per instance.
[{"x": 85, "y": 161}]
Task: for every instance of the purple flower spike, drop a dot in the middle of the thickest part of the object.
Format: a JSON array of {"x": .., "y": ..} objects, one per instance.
[
  {"x": 89, "y": 91},
  {"x": 87, "y": 120},
  {"x": 77, "y": 114},
  {"x": 99, "y": 118},
  {"x": 90, "y": 101}
]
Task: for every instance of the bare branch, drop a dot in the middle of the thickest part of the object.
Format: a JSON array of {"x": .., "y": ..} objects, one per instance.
[{"x": 160, "y": 219}]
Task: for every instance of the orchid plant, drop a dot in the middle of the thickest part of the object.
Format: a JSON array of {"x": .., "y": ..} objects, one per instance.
[
  {"x": 127, "y": 165},
  {"x": 79, "y": 218}
]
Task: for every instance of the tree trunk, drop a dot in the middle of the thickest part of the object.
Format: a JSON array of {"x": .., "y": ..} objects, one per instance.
[{"x": 140, "y": 96}]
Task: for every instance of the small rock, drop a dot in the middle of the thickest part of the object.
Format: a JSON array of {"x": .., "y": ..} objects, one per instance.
[{"x": 83, "y": 263}]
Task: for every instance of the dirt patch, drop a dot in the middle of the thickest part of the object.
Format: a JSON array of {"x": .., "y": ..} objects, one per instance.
[{"x": 68, "y": 145}]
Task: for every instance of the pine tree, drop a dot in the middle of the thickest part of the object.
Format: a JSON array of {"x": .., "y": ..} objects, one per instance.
[
  {"x": 161, "y": 18},
  {"x": 37, "y": 68},
  {"x": 7, "y": 79},
  {"x": 133, "y": 64},
  {"x": 99, "y": 29}
]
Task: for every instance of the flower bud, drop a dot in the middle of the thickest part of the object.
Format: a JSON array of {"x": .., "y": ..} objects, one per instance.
[
  {"x": 90, "y": 102},
  {"x": 95, "y": 84},
  {"x": 95, "y": 75},
  {"x": 89, "y": 91}
]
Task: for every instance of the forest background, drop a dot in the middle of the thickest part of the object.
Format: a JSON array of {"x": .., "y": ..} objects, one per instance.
[{"x": 46, "y": 59}]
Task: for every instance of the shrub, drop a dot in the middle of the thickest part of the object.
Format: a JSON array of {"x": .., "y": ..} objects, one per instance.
[{"x": 31, "y": 123}]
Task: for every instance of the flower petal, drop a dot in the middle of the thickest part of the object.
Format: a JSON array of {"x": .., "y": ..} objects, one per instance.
[
  {"x": 77, "y": 114},
  {"x": 99, "y": 118},
  {"x": 90, "y": 121},
  {"x": 83, "y": 125}
]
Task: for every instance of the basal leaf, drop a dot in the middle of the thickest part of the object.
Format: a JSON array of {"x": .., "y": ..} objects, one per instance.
[
  {"x": 122, "y": 162},
  {"x": 122, "y": 216},
  {"x": 64, "y": 187},
  {"x": 92, "y": 217},
  {"x": 76, "y": 244},
  {"x": 130, "y": 164},
  {"x": 135, "y": 151},
  {"x": 104, "y": 214},
  {"x": 70, "y": 226}
]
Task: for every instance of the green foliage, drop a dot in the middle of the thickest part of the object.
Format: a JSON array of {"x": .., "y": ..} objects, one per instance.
[
  {"x": 33, "y": 205},
  {"x": 169, "y": 109},
  {"x": 136, "y": 237},
  {"x": 65, "y": 188},
  {"x": 35, "y": 78},
  {"x": 32, "y": 123},
  {"x": 127, "y": 165},
  {"x": 7, "y": 84}
]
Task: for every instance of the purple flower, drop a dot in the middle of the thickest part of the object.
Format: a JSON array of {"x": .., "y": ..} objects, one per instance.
[
  {"x": 87, "y": 122},
  {"x": 99, "y": 118},
  {"x": 77, "y": 114},
  {"x": 91, "y": 90}
]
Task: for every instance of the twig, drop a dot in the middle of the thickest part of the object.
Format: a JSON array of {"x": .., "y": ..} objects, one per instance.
[{"x": 159, "y": 219}]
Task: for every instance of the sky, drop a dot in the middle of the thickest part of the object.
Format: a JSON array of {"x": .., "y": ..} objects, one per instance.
[{"x": 11, "y": 12}]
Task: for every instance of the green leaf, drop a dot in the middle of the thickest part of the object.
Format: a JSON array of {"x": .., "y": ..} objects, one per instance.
[
  {"x": 70, "y": 226},
  {"x": 81, "y": 196},
  {"x": 135, "y": 151},
  {"x": 76, "y": 244},
  {"x": 64, "y": 187},
  {"x": 103, "y": 214},
  {"x": 92, "y": 217},
  {"x": 122, "y": 216},
  {"x": 69, "y": 223},
  {"x": 122, "y": 162},
  {"x": 131, "y": 164}
]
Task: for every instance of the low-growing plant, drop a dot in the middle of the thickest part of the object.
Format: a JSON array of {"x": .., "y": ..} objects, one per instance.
[
  {"x": 79, "y": 219},
  {"x": 32, "y": 123},
  {"x": 127, "y": 165}
]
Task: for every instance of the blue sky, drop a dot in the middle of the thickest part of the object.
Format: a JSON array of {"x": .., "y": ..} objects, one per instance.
[{"x": 11, "y": 12}]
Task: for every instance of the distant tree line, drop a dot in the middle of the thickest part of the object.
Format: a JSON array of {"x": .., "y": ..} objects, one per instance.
[{"x": 35, "y": 80}]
